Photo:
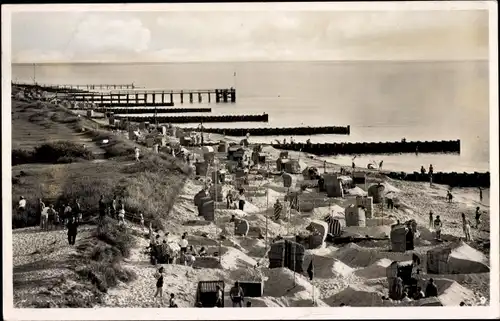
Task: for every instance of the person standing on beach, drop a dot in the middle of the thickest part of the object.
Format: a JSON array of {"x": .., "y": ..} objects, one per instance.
[
  {"x": 449, "y": 196},
  {"x": 44, "y": 218},
  {"x": 431, "y": 172},
  {"x": 159, "y": 283},
  {"x": 51, "y": 217},
  {"x": 78, "y": 211},
  {"x": 41, "y": 207},
  {"x": 480, "y": 194},
  {"x": 466, "y": 228},
  {"x": 380, "y": 164},
  {"x": 137, "y": 154},
  {"x": 183, "y": 244},
  {"x": 438, "y": 226},
  {"x": 142, "y": 220},
  {"x": 241, "y": 199},
  {"x": 236, "y": 294},
  {"x": 114, "y": 206},
  {"x": 72, "y": 230},
  {"x": 102, "y": 207},
  {"x": 422, "y": 170},
  {"x": 67, "y": 213},
  {"x": 431, "y": 220},
  {"x": 219, "y": 297},
  {"x": 478, "y": 217}
]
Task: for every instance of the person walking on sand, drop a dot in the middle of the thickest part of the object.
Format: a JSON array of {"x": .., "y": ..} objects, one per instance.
[
  {"x": 102, "y": 207},
  {"x": 72, "y": 230},
  {"x": 241, "y": 199},
  {"x": 137, "y": 154},
  {"x": 159, "y": 283},
  {"x": 449, "y": 196},
  {"x": 141, "y": 217},
  {"x": 438, "y": 225},
  {"x": 431, "y": 220},
  {"x": 480, "y": 194},
  {"x": 478, "y": 217},
  {"x": 121, "y": 217},
  {"x": 380, "y": 165},
  {"x": 236, "y": 294}
]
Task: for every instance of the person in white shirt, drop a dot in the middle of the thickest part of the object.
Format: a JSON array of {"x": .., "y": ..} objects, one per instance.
[
  {"x": 121, "y": 216},
  {"x": 22, "y": 203},
  {"x": 183, "y": 243},
  {"x": 137, "y": 154}
]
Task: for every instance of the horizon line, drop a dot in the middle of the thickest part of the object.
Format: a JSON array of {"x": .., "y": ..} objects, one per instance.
[{"x": 243, "y": 61}]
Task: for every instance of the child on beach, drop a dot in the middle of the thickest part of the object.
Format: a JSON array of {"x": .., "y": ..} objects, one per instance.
[
  {"x": 438, "y": 226},
  {"x": 171, "y": 303},
  {"x": 137, "y": 154},
  {"x": 431, "y": 219},
  {"x": 478, "y": 217},
  {"x": 159, "y": 283}
]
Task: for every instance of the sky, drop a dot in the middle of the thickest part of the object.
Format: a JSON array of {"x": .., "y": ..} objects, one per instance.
[{"x": 176, "y": 36}]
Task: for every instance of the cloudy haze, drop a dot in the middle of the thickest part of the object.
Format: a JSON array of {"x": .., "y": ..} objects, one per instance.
[{"x": 244, "y": 35}]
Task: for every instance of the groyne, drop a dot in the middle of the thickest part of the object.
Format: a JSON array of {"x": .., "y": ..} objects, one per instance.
[
  {"x": 446, "y": 146},
  {"x": 453, "y": 179},
  {"x": 296, "y": 131},
  {"x": 135, "y": 104},
  {"x": 139, "y": 110},
  {"x": 198, "y": 119}
]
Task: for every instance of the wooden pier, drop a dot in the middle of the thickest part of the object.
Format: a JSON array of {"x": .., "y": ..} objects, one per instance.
[
  {"x": 87, "y": 87},
  {"x": 140, "y": 97}
]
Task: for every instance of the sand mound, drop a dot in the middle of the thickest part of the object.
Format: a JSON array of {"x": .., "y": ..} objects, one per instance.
[
  {"x": 356, "y": 191},
  {"x": 452, "y": 293},
  {"x": 280, "y": 283},
  {"x": 356, "y": 296},
  {"x": 465, "y": 259},
  {"x": 253, "y": 247},
  {"x": 233, "y": 259},
  {"x": 356, "y": 256},
  {"x": 373, "y": 231},
  {"x": 259, "y": 221},
  {"x": 285, "y": 302},
  {"x": 327, "y": 267},
  {"x": 375, "y": 270}
]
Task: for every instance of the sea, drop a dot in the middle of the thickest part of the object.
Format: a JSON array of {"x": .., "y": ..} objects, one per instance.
[{"x": 380, "y": 100}]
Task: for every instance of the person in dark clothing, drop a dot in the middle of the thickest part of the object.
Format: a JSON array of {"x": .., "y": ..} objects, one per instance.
[
  {"x": 236, "y": 294},
  {"x": 422, "y": 170},
  {"x": 102, "y": 207},
  {"x": 159, "y": 283},
  {"x": 480, "y": 194},
  {"x": 478, "y": 217},
  {"x": 72, "y": 230},
  {"x": 409, "y": 240},
  {"x": 431, "y": 173},
  {"x": 241, "y": 199},
  {"x": 431, "y": 289},
  {"x": 249, "y": 304}
]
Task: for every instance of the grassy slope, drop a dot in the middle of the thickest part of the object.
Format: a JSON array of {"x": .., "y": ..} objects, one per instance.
[{"x": 40, "y": 257}]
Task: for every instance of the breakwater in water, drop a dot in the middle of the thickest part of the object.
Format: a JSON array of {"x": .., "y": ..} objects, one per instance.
[
  {"x": 139, "y": 110},
  {"x": 141, "y": 104},
  {"x": 447, "y": 146},
  {"x": 198, "y": 119},
  {"x": 340, "y": 130},
  {"x": 452, "y": 179}
]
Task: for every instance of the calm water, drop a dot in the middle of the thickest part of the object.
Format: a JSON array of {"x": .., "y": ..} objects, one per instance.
[{"x": 382, "y": 101}]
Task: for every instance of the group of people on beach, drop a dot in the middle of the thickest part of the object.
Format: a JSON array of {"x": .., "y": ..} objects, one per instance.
[
  {"x": 437, "y": 224},
  {"x": 68, "y": 216}
]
